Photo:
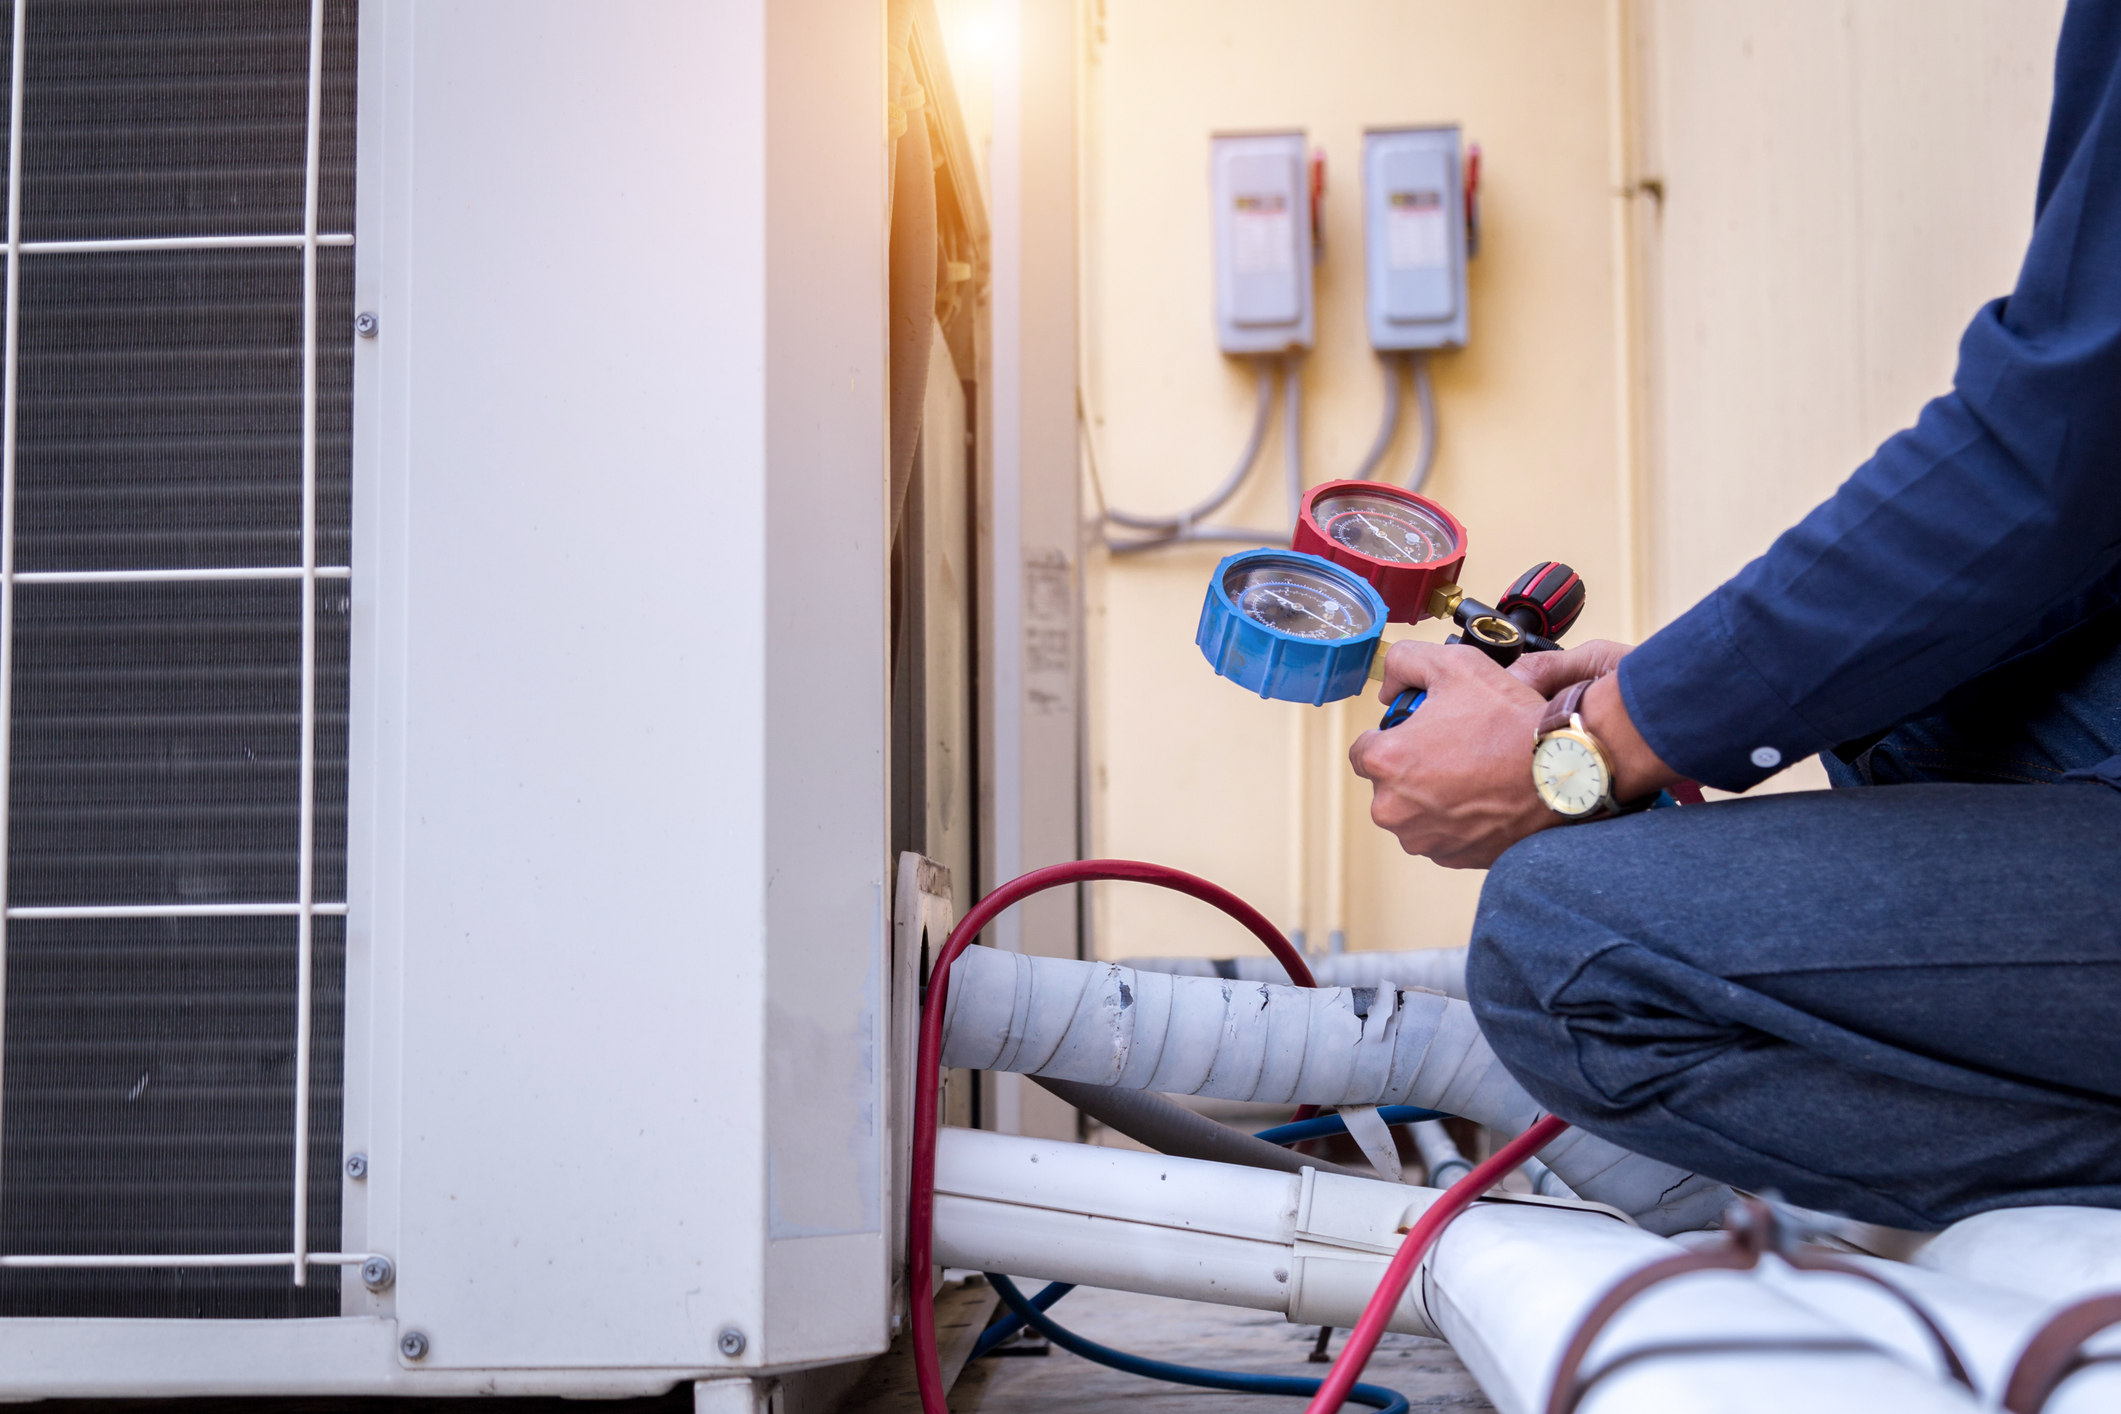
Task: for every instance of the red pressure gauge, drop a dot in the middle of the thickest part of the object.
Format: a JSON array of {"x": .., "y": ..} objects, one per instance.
[{"x": 1406, "y": 545}]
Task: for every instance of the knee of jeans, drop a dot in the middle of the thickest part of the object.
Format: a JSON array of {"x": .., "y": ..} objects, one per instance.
[{"x": 1513, "y": 925}]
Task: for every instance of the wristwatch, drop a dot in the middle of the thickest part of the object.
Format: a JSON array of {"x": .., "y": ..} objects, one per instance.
[{"x": 1570, "y": 769}]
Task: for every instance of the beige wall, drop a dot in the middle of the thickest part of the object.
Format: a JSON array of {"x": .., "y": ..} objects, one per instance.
[
  {"x": 1189, "y": 770},
  {"x": 1654, "y": 386},
  {"x": 1844, "y": 184}
]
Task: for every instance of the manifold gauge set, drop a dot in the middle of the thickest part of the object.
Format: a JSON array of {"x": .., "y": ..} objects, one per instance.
[{"x": 1306, "y": 624}]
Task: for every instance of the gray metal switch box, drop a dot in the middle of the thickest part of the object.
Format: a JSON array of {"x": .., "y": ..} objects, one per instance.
[
  {"x": 1414, "y": 235},
  {"x": 1262, "y": 212}
]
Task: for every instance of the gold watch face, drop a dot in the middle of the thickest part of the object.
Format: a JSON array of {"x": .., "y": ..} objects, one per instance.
[{"x": 1569, "y": 774}]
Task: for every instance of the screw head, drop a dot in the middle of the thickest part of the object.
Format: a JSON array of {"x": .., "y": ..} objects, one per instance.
[
  {"x": 377, "y": 1273},
  {"x": 730, "y": 1342},
  {"x": 364, "y": 324},
  {"x": 357, "y": 1165},
  {"x": 412, "y": 1345}
]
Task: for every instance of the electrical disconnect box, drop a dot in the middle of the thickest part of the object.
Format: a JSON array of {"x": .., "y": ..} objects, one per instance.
[
  {"x": 1262, "y": 205},
  {"x": 1414, "y": 230}
]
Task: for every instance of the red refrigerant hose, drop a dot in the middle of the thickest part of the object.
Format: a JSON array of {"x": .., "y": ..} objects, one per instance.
[
  {"x": 920, "y": 1224},
  {"x": 1362, "y": 1341}
]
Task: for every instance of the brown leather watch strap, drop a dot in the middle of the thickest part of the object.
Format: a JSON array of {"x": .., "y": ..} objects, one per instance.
[{"x": 1561, "y": 708}]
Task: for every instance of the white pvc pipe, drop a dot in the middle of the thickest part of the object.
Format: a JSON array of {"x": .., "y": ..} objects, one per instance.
[
  {"x": 1439, "y": 1152},
  {"x": 2055, "y": 1254},
  {"x": 1988, "y": 1325},
  {"x": 1103, "y": 1024},
  {"x": 1312, "y": 1246},
  {"x": 1507, "y": 1285},
  {"x": 1545, "y": 1181},
  {"x": 1431, "y": 969}
]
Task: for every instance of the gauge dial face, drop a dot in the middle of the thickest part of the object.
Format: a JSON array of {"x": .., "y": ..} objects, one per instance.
[
  {"x": 1385, "y": 528},
  {"x": 1297, "y": 600},
  {"x": 1569, "y": 774}
]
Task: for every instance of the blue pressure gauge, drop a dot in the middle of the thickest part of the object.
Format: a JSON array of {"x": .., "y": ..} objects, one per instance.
[{"x": 1291, "y": 626}]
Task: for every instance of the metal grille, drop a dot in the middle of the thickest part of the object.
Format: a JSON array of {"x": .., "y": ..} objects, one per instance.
[{"x": 175, "y": 451}]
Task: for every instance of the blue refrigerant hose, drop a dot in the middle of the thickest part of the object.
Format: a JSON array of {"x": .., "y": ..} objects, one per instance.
[
  {"x": 1011, "y": 1323},
  {"x": 1333, "y": 1124},
  {"x": 1384, "y": 1400}
]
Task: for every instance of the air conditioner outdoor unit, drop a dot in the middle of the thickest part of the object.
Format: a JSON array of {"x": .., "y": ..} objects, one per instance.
[{"x": 444, "y": 800}]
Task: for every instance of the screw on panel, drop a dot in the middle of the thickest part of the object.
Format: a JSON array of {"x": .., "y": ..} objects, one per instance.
[
  {"x": 730, "y": 1342},
  {"x": 412, "y": 1345},
  {"x": 364, "y": 324},
  {"x": 357, "y": 1165},
  {"x": 377, "y": 1273}
]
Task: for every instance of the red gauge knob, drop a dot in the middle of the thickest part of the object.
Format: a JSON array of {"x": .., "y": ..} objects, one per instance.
[
  {"x": 1405, "y": 545},
  {"x": 1546, "y": 599}
]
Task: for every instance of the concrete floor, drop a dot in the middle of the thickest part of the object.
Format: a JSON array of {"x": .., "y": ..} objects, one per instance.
[{"x": 1195, "y": 1333}]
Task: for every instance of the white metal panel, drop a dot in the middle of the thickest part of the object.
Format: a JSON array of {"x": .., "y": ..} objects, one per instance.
[
  {"x": 825, "y": 742},
  {"x": 141, "y": 1359},
  {"x": 565, "y": 544}
]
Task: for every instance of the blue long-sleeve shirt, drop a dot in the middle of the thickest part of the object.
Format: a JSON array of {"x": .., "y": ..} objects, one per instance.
[{"x": 1988, "y": 527}]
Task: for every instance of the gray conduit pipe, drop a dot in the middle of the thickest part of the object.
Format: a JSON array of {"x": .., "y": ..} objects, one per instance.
[
  {"x": 1149, "y": 1118},
  {"x": 1101, "y": 1024},
  {"x": 1431, "y": 969},
  {"x": 1292, "y": 434},
  {"x": 1425, "y": 399},
  {"x": 1388, "y": 425},
  {"x": 1183, "y": 521},
  {"x": 1440, "y": 1154}
]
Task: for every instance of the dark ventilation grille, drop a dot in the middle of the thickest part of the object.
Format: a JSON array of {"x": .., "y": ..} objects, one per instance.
[{"x": 148, "y": 1099}]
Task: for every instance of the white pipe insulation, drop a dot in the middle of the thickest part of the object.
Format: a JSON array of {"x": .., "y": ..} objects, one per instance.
[
  {"x": 1508, "y": 1287},
  {"x": 1988, "y": 1325},
  {"x": 2054, "y": 1253},
  {"x": 1507, "y": 1284},
  {"x": 1431, "y": 969},
  {"x": 1104, "y": 1024}
]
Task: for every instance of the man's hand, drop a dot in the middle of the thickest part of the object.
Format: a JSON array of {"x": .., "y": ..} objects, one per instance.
[
  {"x": 1454, "y": 781},
  {"x": 1549, "y": 673}
]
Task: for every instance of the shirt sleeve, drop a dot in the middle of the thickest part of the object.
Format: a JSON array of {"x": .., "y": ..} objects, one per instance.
[{"x": 1962, "y": 535}]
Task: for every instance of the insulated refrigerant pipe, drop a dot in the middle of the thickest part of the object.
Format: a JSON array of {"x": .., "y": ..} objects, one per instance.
[
  {"x": 1989, "y": 1326},
  {"x": 1103, "y": 1024},
  {"x": 2054, "y": 1253},
  {"x": 920, "y": 1217},
  {"x": 1507, "y": 1284},
  {"x": 1431, "y": 969}
]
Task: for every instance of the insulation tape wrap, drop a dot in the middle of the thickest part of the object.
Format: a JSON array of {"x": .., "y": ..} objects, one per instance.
[
  {"x": 1431, "y": 969},
  {"x": 1103, "y": 1024}
]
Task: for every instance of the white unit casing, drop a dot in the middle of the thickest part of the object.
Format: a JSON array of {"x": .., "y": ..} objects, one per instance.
[
  {"x": 617, "y": 895},
  {"x": 1260, "y": 197},
  {"x": 623, "y": 982},
  {"x": 1414, "y": 238}
]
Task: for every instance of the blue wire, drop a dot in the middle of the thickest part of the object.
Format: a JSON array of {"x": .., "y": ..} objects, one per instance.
[
  {"x": 1376, "y": 1396},
  {"x": 1010, "y": 1324},
  {"x": 1333, "y": 1124}
]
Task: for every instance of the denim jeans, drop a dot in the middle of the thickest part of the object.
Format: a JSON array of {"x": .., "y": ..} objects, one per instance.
[{"x": 1900, "y": 1002}]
